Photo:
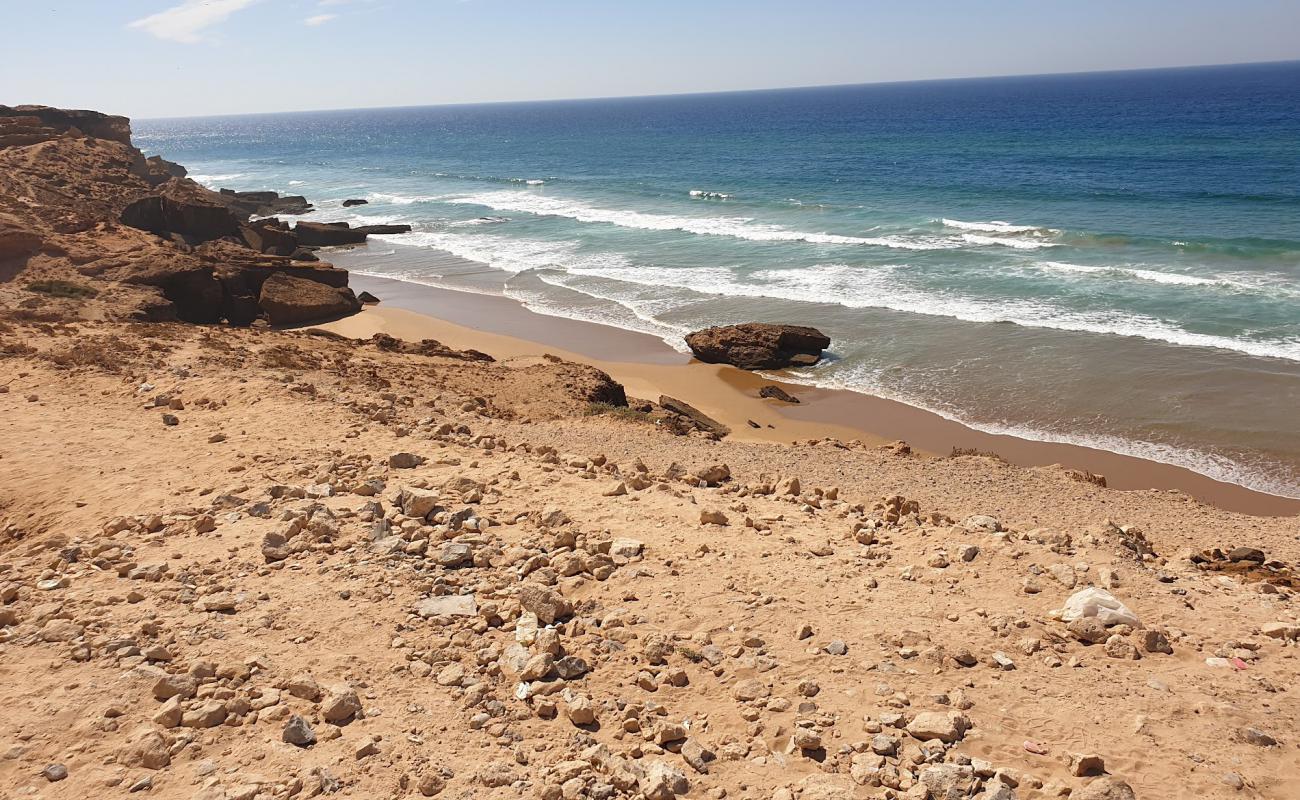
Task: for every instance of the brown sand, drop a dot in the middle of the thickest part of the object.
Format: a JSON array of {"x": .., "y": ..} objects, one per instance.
[
  {"x": 138, "y": 559},
  {"x": 647, "y": 367}
]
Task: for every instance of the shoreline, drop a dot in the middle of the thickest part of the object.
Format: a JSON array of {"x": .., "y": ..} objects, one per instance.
[{"x": 648, "y": 367}]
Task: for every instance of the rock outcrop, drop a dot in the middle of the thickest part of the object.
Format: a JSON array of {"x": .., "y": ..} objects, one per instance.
[
  {"x": 328, "y": 234},
  {"x": 181, "y": 207},
  {"x": 78, "y": 201},
  {"x": 337, "y": 234},
  {"x": 758, "y": 345},
  {"x": 289, "y": 300},
  {"x": 24, "y": 125},
  {"x": 264, "y": 204}
]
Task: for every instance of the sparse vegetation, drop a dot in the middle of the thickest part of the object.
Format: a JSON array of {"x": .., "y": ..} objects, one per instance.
[
  {"x": 61, "y": 288},
  {"x": 958, "y": 452},
  {"x": 617, "y": 412}
]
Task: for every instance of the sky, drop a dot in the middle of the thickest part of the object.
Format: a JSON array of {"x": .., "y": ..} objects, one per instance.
[{"x": 164, "y": 58}]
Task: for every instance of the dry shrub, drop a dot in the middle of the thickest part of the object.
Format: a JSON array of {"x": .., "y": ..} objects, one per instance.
[
  {"x": 60, "y": 288},
  {"x": 958, "y": 452},
  {"x": 105, "y": 353},
  {"x": 284, "y": 356}
]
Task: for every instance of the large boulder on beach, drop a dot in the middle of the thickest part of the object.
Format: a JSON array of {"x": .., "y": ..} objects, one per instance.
[
  {"x": 289, "y": 301},
  {"x": 759, "y": 345}
]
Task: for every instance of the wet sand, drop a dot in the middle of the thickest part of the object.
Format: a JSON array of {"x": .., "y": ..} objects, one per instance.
[{"x": 648, "y": 367}]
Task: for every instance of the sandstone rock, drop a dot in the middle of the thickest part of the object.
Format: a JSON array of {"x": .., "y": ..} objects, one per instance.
[
  {"x": 289, "y": 301},
  {"x": 303, "y": 686},
  {"x": 1105, "y": 788},
  {"x": 625, "y": 548},
  {"x": 712, "y": 517},
  {"x": 547, "y": 604},
  {"x": 297, "y": 731},
  {"x": 341, "y": 705},
  {"x": 948, "y": 781},
  {"x": 454, "y": 605},
  {"x": 406, "y": 461},
  {"x": 1082, "y": 764},
  {"x": 580, "y": 710},
  {"x": 1088, "y": 630},
  {"x": 774, "y": 392},
  {"x": 208, "y": 715},
  {"x": 1155, "y": 641},
  {"x": 662, "y": 782},
  {"x": 715, "y": 474},
  {"x": 1256, "y": 737},
  {"x": 757, "y": 345},
  {"x": 947, "y": 727}
]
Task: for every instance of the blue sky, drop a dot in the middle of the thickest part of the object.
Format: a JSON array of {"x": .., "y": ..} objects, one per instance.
[{"x": 149, "y": 58}]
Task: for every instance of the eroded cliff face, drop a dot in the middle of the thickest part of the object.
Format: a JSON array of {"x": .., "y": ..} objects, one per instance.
[
  {"x": 22, "y": 125},
  {"x": 80, "y": 203}
]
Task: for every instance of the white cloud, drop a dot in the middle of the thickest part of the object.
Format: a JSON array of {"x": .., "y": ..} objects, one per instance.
[
  {"x": 185, "y": 22},
  {"x": 319, "y": 19}
]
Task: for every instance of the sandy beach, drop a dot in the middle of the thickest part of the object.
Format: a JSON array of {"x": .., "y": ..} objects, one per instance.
[{"x": 648, "y": 368}]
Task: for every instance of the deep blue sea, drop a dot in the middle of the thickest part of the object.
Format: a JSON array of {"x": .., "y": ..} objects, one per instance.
[{"x": 1106, "y": 259}]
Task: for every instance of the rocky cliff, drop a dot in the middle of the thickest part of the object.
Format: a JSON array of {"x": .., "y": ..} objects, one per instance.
[{"x": 80, "y": 203}]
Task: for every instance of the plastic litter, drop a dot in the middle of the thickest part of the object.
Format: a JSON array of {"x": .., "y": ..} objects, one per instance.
[{"x": 1099, "y": 603}]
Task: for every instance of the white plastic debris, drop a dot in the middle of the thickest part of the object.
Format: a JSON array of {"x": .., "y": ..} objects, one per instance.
[{"x": 1099, "y": 603}]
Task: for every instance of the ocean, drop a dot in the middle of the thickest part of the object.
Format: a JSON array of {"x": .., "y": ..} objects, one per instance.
[{"x": 1105, "y": 259}]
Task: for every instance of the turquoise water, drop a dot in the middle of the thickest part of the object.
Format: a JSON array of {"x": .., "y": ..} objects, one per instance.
[{"x": 1106, "y": 259}]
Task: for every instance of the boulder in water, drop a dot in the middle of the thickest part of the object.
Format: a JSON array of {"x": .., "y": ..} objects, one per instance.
[{"x": 759, "y": 345}]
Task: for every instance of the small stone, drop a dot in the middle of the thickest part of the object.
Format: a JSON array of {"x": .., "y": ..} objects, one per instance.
[
  {"x": 297, "y": 731},
  {"x": 548, "y": 605},
  {"x": 947, "y": 727},
  {"x": 837, "y": 648},
  {"x": 1155, "y": 641},
  {"x": 807, "y": 739},
  {"x": 1105, "y": 788},
  {"x": 55, "y": 773},
  {"x": 712, "y": 517},
  {"x": 1256, "y": 737},
  {"x": 341, "y": 705},
  {"x": 405, "y": 460},
  {"x": 1084, "y": 764},
  {"x": 580, "y": 710}
]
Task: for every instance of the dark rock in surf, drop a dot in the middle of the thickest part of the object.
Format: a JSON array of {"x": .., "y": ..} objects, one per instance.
[
  {"x": 328, "y": 234},
  {"x": 757, "y": 345},
  {"x": 354, "y": 202}
]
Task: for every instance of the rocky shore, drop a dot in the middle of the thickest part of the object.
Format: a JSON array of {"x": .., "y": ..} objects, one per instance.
[{"x": 238, "y": 562}]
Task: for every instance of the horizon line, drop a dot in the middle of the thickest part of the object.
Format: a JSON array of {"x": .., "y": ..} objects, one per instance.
[{"x": 713, "y": 92}]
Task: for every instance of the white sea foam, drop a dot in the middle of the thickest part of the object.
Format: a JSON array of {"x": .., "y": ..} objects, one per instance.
[
  {"x": 402, "y": 200},
  {"x": 707, "y": 195},
  {"x": 467, "y": 223},
  {"x": 1140, "y": 274},
  {"x": 1262, "y": 478},
  {"x": 1019, "y": 244},
  {"x": 736, "y": 227},
  {"x": 879, "y": 288},
  {"x": 994, "y": 226},
  {"x": 297, "y": 183},
  {"x": 212, "y": 181}
]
